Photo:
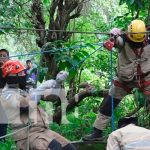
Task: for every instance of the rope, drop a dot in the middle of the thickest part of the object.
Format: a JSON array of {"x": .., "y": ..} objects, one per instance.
[
  {"x": 31, "y": 29},
  {"x": 56, "y": 50},
  {"x": 82, "y": 32},
  {"x": 28, "y": 140},
  {"x": 112, "y": 100},
  {"x": 85, "y": 58},
  {"x": 60, "y": 49},
  {"x": 7, "y": 135}
]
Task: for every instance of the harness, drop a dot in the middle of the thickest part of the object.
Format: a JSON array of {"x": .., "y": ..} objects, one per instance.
[{"x": 139, "y": 76}]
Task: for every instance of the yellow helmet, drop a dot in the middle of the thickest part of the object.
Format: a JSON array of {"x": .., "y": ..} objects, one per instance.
[{"x": 137, "y": 26}]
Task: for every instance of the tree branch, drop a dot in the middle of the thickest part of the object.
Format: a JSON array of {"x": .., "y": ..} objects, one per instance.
[
  {"x": 38, "y": 21},
  {"x": 52, "y": 11},
  {"x": 77, "y": 12},
  {"x": 73, "y": 102}
]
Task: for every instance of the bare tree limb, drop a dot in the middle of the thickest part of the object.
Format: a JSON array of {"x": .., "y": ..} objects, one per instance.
[
  {"x": 52, "y": 11},
  {"x": 74, "y": 102},
  {"x": 38, "y": 21},
  {"x": 77, "y": 12}
]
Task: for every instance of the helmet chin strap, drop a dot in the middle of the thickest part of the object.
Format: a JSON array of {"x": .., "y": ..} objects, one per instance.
[
  {"x": 134, "y": 44},
  {"x": 16, "y": 81},
  {"x": 13, "y": 85}
]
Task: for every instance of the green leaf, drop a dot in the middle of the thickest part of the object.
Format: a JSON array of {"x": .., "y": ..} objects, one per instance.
[
  {"x": 85, "y": 53},
  {"x": 80, "y": 54},
  {"x": 41, "y": 77},
  {"x": 42, "y": 74},
  {"x": 63, "y": 65},
  {"x": 140, "y": 3},
  {"x": 46, "y": 1},
  {"x": 90, "y": 45},
  {"x": 131, "y": 2},
  {"x": 121, "y": 2},
  {"x": 76, "y": 58},
  {"x": 72, "y": 73}
]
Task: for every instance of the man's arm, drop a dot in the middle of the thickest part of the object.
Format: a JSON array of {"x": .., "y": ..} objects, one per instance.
[{"x": 115, "y": 40}]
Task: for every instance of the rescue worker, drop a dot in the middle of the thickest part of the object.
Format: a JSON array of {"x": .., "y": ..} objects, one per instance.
[
  {"x": 23, "y": 111},
  {"x": 129, "y": 136},
  {"x": 133, "y": 71},
  {"x": 4, "y": 56}
]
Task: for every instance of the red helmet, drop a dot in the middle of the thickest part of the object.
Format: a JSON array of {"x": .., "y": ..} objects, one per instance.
[{"x": 12, "y": 67}]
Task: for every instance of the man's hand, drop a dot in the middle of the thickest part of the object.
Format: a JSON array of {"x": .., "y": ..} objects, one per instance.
[{"x": 115, "y": 32}]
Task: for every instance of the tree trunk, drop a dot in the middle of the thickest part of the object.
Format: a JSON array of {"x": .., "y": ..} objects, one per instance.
[{"x": 60, "y": 14}]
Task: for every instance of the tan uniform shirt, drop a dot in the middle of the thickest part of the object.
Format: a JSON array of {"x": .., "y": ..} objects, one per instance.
[
  {"x": 130, "y": 137},
  {"x": 38, "y": 133},
  {"x": 127, "y": 61}
]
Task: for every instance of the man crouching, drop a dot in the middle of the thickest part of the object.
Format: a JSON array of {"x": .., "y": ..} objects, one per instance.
[{"x": 25, "y": 116}]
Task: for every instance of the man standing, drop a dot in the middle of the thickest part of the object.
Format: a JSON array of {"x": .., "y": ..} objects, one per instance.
[
  {"x": 133, "y": 71},
  {"x": 31, "y": 73},
  {"x": 4, "y": 56}
]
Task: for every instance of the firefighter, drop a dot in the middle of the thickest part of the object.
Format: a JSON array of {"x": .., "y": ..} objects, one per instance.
[
  {"x": 23, "y": 111},
  {"x": 133, "y": 71},
  {"x": 129, "y": 136}
]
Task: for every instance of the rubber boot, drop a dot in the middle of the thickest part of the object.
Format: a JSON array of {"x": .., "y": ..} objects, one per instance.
[
  {"x": 3, "y": 131},
  {"x": 96, "y": 135},
  {"x": 54, "y": 145},
  {"x": 69, "y": 147},
  {"x": 102, "y": 119}
]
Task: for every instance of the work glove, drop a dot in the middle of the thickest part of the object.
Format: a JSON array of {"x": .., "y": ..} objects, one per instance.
[
  {"x": 109, "y": 44},
  {"x": 115, "y": 32}
]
